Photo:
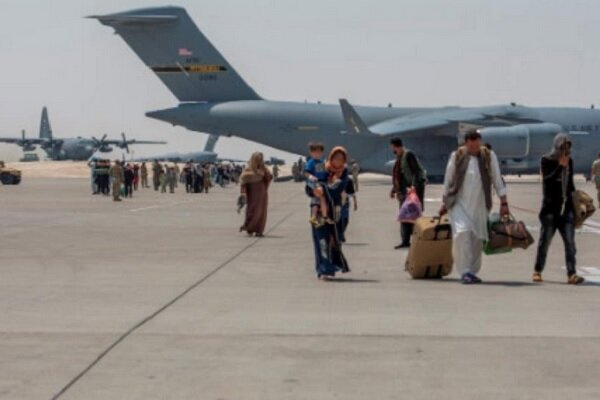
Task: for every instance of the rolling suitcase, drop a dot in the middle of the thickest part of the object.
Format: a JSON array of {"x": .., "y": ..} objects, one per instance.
[{"x": 430, "y": 254}]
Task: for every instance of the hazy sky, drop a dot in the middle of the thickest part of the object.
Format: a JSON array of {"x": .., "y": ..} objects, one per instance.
[{"x": 408, "y": 52}]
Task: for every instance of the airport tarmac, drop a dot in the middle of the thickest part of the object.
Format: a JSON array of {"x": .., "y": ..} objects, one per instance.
[{"x": 160, "y": 297}]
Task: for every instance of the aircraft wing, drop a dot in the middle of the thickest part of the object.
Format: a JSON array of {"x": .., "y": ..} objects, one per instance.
[
  {"x": 445, "y": 122},
  {"x": 18, "y": 140},
  {"x": 131, "y": 141}
]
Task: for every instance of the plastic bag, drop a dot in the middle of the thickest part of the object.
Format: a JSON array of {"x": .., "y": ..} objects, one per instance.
[{"x": 411, "y": 209}]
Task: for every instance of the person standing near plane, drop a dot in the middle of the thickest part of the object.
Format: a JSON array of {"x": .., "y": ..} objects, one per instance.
[
  {"x": 206, "y": 178},
  {"x": 136, "y": 176},
  {"x": 144, "y": 175},
  {"x": 116, "y": 174},
  {"x": 128, "y": 176},
  {"x": 471, "y": 173},
  {"x": 558, "y": 211},
  {"x": 172, "y": 177},
  {"x": 275, "y": 172},
  {"x": 255, "y": 181},
  {"x": 355, "y": 170},
  {"x": 408, "y": 174},
  {"x": 596, "y": 176},
  {"x": 348, "y": 198},
  {"x": 93, "y": 164},
  {"x": 157, "y": 171},
  {"x": 177, "y": 174}
]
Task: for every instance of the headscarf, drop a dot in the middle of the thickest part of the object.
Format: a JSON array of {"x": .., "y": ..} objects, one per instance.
[
  {"x": 255, "y": 169},
  {"x": 560, "y": 141},
  {"x": 329, "y": 165}
]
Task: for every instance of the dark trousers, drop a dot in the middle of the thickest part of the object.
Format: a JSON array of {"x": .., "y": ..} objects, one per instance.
[
  {"x": 128, "y": 189},
  {"x": 406, "y": 230},
  {"x": 566, "y": 227}
]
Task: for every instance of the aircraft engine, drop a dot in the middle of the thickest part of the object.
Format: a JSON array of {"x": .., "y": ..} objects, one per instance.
[{"x": 518, "y": 141}]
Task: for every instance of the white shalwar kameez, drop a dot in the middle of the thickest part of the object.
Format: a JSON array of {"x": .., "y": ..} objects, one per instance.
[{"x": 469, "y": 215}]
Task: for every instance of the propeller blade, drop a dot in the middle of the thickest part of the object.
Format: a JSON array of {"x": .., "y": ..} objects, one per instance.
[{"x": 125, "y": 144}]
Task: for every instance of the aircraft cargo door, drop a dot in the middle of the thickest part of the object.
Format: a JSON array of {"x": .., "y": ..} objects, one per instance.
[{"x": 510, "y": 142}]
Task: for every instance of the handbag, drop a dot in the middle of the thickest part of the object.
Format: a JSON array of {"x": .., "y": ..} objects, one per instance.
[
  {"x": 506, "y": 234},
  {"x": 584, "y": 207},
  {"x": 411, "y": 209}
]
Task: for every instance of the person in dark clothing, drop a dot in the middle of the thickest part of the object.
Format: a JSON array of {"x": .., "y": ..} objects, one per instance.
[
  {"x": 408, "y": 175},
  {"x": 348, "y": 199},
  {"x": 136, "y": 176},
  {"x": 128, "y": 176},
  {"x": 102, "y": 178},
  {"x": 558, "y": 211},
  {"x": 188, "y": 177}
]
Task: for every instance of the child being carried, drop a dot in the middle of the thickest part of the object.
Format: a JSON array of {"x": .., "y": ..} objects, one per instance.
[{"x": 316, "y": 177}]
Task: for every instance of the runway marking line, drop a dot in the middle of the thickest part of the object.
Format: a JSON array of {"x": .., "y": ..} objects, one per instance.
[
  {"x": 160, "y": 206},
  {"x": 171, "y": 302}
]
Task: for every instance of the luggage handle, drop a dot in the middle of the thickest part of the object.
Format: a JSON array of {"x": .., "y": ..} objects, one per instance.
[{"x": 440, "y": 228}]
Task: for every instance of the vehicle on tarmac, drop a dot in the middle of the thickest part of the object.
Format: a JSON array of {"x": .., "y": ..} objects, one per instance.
[
  {"x": 29, "y": 157},
  {"x": 9, "y": 176}
]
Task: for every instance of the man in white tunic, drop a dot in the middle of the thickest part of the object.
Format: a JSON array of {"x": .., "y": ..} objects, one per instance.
[{"x": 471, "y": 172}]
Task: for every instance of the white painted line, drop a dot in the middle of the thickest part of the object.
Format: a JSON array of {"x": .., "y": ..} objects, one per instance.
[
  {"x": 432, "y": 200},
  {"x": 160, "y": 206},
  {"x": 592, "y": 223},
  {"x": 144, "y": 208}
]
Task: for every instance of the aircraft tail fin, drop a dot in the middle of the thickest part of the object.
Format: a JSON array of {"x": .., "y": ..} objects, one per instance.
[
  {"x": 45, "y": 128},
  {"x": 210, "y": 143},
  {"x": 172, "y": 46},
  {"x": 354, "y": 123}
]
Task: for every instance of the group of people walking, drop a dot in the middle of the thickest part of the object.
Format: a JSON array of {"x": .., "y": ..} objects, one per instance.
[
  {"x": 472, "y": 177},
  {"x": 472, "y": 172},
  {"x": 121, "y": 179},
  {"x": 118, "y": 178}
]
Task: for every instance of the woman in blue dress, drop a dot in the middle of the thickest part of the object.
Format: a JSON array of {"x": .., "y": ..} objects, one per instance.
[{"x": 329, "y": 258}]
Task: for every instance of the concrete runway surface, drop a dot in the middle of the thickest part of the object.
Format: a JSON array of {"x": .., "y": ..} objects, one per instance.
[{"x": 159, "y": 297}]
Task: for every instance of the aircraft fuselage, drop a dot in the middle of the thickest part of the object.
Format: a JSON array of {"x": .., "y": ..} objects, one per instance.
[{"x": 290, "y": 126}]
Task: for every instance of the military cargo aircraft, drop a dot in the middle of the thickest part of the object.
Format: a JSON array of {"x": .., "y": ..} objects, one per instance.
[
  {"x": 208, "y": 155},
  {"x": 214, "y": 98},
  {"x": 75, "y": 149}
]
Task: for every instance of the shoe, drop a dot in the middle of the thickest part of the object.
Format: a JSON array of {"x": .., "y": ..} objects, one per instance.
[
  {"x": 575, "y": 280},
  {"x": 402, "y": 246},
  {"x": 537, "y": 277},
  {"x": 470, "y": 279}
]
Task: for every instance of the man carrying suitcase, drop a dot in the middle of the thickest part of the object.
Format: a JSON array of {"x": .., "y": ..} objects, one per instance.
[
  {"x": 471, "y": 172},
  {"x": 408, "y": 175}
]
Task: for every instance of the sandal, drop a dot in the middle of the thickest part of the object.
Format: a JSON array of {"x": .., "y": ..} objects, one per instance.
[
  {"x": 575, "y": 280},
  {"x": 537, "y": 277}
]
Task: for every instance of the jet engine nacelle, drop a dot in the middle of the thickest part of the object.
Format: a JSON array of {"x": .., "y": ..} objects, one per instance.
[{"x": 519, "y": 141}]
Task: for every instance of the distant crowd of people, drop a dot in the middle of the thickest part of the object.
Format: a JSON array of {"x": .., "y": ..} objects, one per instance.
[{"x": 122, "y": 179}]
